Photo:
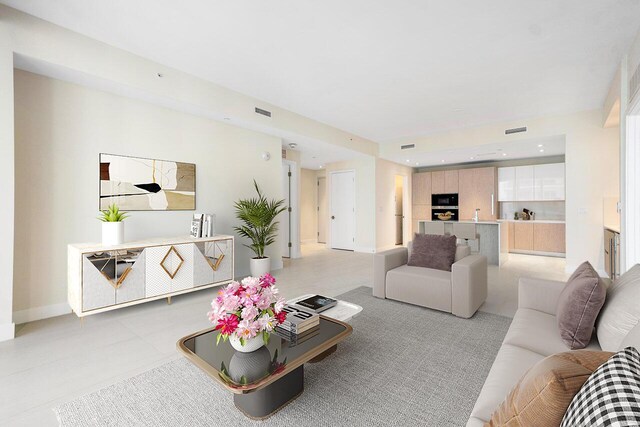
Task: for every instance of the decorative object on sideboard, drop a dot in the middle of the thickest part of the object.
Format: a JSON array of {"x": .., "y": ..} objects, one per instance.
[
  {"x": 139, "y": 184},
  {"x": 258, "y": 217},
  {"x": 247, "y": 312},
  {"x": 112, "y": 225},
  {"x": 203, "y": 225}
]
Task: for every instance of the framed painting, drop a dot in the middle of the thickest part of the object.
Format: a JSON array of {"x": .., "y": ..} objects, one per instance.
[{"x": 139, "y": 184}]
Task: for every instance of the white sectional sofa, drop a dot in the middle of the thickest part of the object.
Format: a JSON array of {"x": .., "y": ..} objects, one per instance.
[{"x": 534, "y": 335}]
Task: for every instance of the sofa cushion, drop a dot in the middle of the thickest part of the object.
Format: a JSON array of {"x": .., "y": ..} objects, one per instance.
[
  {"x": 433, "y": 251},
  {"x": 544, "y": 393},
  {"x": 611, "y": 396},
  {"x": 632, "y": 339},
  {"x": 462, "y": 251},
  {"x": 510, "y": 364},
  {"x": 621, "y": 311},
  {"x": 578, "y": 306},
  {"x": 538, "y": 331},
  {"x": 421, "y": 286}
]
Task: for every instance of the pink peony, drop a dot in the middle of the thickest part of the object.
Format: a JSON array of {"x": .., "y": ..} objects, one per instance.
[
  {"x": 228, "y": 324},
  {"x": 231, "y": 303},
  {"x": 267, "y": 280},
  {"x": 249, "y": 313},
  {"x": 247, "y": 329},
  {"x": 251, "y": 282},
  {"x": 280, "y": 303},
  {"x": 263, "y": 303},
  {"x": 266, "y": 322}
]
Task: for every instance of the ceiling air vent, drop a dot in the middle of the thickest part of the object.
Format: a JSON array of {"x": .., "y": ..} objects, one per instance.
[
  {"x": 263, "y": 112},
  {"x": 407, "y": 146},
  {"x": 515, "y": 130}
]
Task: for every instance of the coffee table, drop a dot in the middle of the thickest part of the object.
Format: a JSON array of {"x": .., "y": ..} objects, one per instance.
[{"x": 269, "y": 378}]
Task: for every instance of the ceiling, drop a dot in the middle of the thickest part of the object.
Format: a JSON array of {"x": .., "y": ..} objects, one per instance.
[
  {"x": 315, "y": 154},
  {"x": 379, "y": 69},
  {"x": 502, "y": 151}
]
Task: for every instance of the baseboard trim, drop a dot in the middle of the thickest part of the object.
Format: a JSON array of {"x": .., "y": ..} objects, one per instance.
[
  {"x": 309, "y": 241},
  {"x": 7, "y": 331},
  {"x": 364, "y": 249},
  {"x": 39, "y": 313}
]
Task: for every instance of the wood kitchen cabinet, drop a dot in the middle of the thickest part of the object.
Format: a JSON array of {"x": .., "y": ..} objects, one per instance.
[
  {"x": 523, "y": 236},
  {"x": 549, "y": 237},
  {"x": 451, "y": 181},
  {"x": 421, "y": 188},
  {"x": 437, "y": 182},
  {"x": 477, "y": 190}
]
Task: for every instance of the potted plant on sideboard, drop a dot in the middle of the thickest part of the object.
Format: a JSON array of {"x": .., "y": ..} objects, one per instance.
[
  {"x": 258, "y": 215},
  {"x": 112, "y": 225}
]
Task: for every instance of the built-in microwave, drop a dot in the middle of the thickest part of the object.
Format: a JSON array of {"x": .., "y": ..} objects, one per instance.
[{"x": 444, "y": 200}]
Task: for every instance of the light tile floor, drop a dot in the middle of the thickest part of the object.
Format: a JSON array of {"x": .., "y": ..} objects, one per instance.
[{"x": 56, "y": 360}]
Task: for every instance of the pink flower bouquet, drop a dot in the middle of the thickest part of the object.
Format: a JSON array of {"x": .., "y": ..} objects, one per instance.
[{"x": 248, "y": 308}]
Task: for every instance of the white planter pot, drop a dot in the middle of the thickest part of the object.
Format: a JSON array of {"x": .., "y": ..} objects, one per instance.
[
  {"x": 252, "y": 344},
  {"x": 112, "y": 233},
  {"x": 260, "y": 266}
]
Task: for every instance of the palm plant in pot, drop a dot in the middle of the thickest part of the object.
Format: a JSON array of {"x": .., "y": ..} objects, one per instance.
[
  {"x": 112, "y": 225},
  {"x": 258, "y": 218}
]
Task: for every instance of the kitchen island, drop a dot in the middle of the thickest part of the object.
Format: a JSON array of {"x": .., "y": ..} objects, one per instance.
[{"x": 489, "y": 242}]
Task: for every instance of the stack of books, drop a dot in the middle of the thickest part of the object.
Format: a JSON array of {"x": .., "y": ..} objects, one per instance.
[{"x": 298, "y": 321}]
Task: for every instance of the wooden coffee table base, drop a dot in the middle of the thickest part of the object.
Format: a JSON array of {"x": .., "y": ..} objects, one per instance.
[{"x": 263, "y": 403}]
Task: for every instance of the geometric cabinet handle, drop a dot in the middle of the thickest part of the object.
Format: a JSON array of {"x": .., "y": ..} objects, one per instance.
[
  {"x": 171, "y": 274},
  {"x": 214, "y": 265}
]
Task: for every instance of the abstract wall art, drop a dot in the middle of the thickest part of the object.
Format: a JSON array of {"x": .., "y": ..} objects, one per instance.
[{"x": 138, "y": 184}]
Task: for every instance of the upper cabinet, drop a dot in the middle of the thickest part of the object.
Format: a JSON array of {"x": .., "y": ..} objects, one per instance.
[
  {"x": 477, "y": 190},
  {"x": 421, "y": 185},
  {"x": 531, "y": 183},
  {"x": 549, "y": 181},
  {"x": 506, "y": 184},
  {"x": 444, "y": 182},
  {"x": 525, "y": 183}
]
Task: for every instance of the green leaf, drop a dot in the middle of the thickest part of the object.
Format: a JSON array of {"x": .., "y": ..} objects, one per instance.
[
  {"x": 218, "y": 339},
  {"x": 265, "y": 337}
]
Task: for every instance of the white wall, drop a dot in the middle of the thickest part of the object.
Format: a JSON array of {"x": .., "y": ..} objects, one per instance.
[
  {"x": 60, "y": 129},
  {"x": 309, "y": 205},
  {"x": 365, "y": 169},
  {"x": 386, "y": 172},
  {"x": 7, "y": 187},
  {"x": 592, "y": 169}
]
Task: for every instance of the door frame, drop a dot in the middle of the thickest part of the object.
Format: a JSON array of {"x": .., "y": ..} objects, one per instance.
[
  {"x": 406, "y": 211},
  {"x": 294, "y": 215},
  {"x": 330, "y": 208}
]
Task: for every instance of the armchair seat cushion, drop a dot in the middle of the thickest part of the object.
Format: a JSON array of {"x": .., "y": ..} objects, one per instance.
[{"x": 421, "y": 286}]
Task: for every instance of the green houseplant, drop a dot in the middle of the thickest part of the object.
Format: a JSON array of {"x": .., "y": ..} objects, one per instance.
[
  {"x": 112, "y": 225},
  {"x": 258, "y": 223}
]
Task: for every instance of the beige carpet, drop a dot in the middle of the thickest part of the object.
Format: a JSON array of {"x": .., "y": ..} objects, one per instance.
[{"x": 403, "y": 366}]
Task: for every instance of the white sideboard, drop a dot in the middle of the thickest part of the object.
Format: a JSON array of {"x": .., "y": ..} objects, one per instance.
[
  {"x": 532, "y": 183},
  {"x": 103, "y": 278}
]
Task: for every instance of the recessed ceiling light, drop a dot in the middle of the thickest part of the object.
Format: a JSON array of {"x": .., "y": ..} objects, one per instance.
[
  {"x": 540, "y": 145},
  {"x": 417, "y": 163},
  {"x": 321, "y": 166},
  {"x": 542, "y": 150},
  {"x": 442, "y": 160},
  {"x": 504, "y": 154},
  {"x": 408, "y": 160},
  {"x": 471, "y": 158},
  {"x": 160, "y": 75}
]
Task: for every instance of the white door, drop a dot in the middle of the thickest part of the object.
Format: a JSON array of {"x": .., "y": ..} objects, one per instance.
[
  {"x": 343, "y": 210},
  {"x": 285, "y": 223},
  {"x": 323, "y": 212}
]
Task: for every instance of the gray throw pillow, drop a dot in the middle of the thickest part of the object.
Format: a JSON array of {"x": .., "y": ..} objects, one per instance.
[
  {"x": 433, "y": 251},
  {"x": 579, "y": 305}
]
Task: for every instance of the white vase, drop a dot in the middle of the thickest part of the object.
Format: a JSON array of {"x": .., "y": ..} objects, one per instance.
[
  {"x": 112, "y": 233},
  {"x": 252, "y": 344},
  {"x": 260, "y": 266}
]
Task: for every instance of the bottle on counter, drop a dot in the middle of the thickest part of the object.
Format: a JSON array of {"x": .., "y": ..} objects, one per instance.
[{"x": 476, "y": 217}]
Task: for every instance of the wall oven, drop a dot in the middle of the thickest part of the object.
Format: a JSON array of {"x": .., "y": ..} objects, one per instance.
[
  {"x": 444, "y": 214},
  {"x": 444, "y": 200}
]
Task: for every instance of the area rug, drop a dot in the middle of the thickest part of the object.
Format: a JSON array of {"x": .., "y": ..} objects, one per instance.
[{"x": 403, "y": 365}]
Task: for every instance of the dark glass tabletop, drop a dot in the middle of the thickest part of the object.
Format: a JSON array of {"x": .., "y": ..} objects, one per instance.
[{"x": 245, "y": 372}]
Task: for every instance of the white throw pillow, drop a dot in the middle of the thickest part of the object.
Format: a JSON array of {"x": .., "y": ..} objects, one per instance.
[{"x": 621, "y": 311}]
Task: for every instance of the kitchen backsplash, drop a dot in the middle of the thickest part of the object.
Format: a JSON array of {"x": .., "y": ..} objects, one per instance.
[{"x": 543, "y": 210}]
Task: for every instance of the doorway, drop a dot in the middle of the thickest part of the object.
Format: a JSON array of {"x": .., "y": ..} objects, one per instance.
[
  {"x": 343, "y": 210},
  {"x": 288, "y": 226},
  {"x": 322, "y": 210}
]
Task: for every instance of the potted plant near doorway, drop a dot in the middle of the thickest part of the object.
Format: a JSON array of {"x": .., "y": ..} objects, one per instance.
[{"x": 258, "y": 218}]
